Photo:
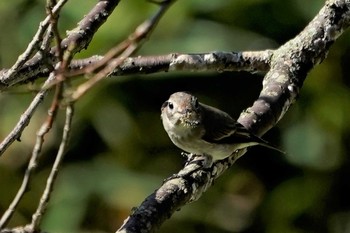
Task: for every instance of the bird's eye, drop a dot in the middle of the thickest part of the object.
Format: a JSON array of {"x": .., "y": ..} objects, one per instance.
[{"x": 170, "y": 105}]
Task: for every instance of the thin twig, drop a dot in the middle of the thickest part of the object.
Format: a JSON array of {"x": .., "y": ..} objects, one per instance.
[
  {"x": 65, "y": 57},
  {"x": 54, "y": 23},
  {"x": 76, "y": 40},
  {"x": 24, "y": 120},
  {"x": 44, "y": 129},
  {"x": 33, "y": 45},
  {"x": 47, "y": 39},
  {"x": 119, "y": 53},
  {"x": 135, "y": 39},
  {"x": 34, "y": 158},
  {"x": 36, "y": 218}
]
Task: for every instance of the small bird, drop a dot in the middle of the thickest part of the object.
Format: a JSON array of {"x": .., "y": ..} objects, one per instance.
[{"x": 202, "y": 130}]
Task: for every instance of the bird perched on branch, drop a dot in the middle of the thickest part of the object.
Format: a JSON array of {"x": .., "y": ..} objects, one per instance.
[{"x": 202, "y": 130}]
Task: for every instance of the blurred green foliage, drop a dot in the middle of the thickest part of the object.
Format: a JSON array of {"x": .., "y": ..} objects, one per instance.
[{"x": 119, "y": 152}]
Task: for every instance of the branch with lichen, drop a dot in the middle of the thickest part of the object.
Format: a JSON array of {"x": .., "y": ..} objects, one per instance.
[
  {"x": 286, "y": 69},
  {"x": 289, "y": 66}
]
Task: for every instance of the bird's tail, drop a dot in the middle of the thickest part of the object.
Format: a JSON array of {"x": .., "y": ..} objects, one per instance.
[{"x": 266, "y": 144}]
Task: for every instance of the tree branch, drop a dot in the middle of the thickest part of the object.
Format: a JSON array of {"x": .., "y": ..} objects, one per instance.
[
  {"x": 8, "y": 75},
  {"x": 118, "y": 54},
  {"x": 24, "y": 120},
  {"x": 249, "y": 61},
  {"x": 76, "y": 40},
  {"x": 287, "y": 69},
  {"x": 37, "y": 216},
  {"x": 252, "y": 61},
  {"x": 291, "y": 63},
  {"x": 281, "y": 85}
]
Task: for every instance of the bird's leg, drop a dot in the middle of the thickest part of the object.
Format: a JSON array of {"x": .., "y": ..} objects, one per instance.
[
  {"x": 190, "y": 157},
  {"x": 206, "y": 161}
]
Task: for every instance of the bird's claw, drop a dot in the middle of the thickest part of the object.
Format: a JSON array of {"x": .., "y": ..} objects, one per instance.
[{"x": 187, "y": 155}]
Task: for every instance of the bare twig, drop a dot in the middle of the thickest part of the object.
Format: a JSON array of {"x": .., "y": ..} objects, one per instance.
[
  {"x": 32, "y": 46},
  {"x": 36, "y": 219},
  {"x": 54, "y": 23},
  {"x": 76, "y": 40},
  {"x": 35, "y": 154},
  {"x": 65, "y": 58},
  {"x": 24, "y": 120},
  {"x": 44, "y": 129},
  {"x": 119, "y": 53}
]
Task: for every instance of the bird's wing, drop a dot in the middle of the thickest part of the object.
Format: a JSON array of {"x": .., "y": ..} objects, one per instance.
[
  {"x": 231, "y": 134},
  {"x": 218, "y": 124},
  {"x": 221, "y": 128}
]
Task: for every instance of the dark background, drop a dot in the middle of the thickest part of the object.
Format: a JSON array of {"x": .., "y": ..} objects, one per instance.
[{"x": 119, "y": 152}]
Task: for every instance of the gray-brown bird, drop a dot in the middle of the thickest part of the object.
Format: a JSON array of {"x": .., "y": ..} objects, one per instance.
[{"x": 203, "y": 130}]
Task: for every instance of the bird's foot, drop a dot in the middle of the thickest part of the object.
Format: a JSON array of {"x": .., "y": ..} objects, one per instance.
[
  {"x": 189, "y": 156},
  {"x": 203, "y": 160}
]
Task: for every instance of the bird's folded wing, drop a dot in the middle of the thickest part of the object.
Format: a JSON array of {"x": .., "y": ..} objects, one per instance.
[{"x": 230, "y": 134}]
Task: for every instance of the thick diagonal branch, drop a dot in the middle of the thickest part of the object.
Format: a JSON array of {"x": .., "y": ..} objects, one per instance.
[
  {"x": 289, "y": 67},
  {"x": 291, "y": 63}
]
